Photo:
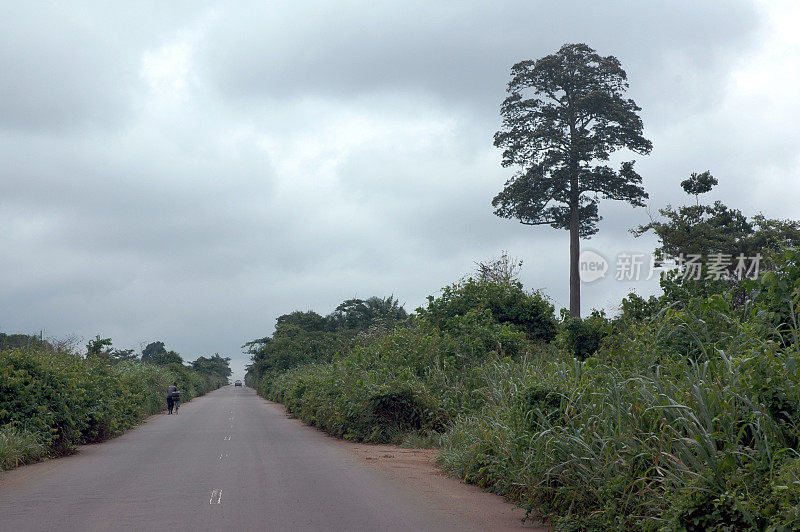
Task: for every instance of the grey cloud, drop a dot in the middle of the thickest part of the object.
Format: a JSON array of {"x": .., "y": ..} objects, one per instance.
[
  {"x": 199, "y": 221},
  {"x": 462, "y": 52},
  {"x": 59, "y": 70},
  {"x": 75, "y": 65}
]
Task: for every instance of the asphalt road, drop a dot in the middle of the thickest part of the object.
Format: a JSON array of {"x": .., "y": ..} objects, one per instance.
[{"x": 228, "y": 460}]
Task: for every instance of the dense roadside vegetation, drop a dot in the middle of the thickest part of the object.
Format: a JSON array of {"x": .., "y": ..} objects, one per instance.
[
  {"x": 53, "y": 398},
  {"x": 680, "y": 412}
]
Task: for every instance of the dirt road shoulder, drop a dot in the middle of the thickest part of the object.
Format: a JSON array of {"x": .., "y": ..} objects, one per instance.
[{"x": 416, "y": 469}]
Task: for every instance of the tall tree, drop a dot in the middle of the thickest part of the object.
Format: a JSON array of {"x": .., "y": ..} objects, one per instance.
[{"x": 564, "y": 114}]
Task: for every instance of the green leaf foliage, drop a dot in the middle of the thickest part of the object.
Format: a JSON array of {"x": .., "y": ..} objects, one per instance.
[
  {"x": 705, "y": 230},
  {"x": 503, "y": 301},
  {"x": 565, "y": 113},
  {"x": 583, "y": 337}
]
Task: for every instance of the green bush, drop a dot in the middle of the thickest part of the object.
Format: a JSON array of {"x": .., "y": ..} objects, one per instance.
[
  {"x": 505, "y": 301},
  {"x": 583, "y": 337},
  {"x": 776, "y": 296}
]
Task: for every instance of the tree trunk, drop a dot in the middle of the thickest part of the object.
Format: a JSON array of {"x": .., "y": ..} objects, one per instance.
[
  {"x": 574, "y": 254},
  {"x": 574, "y": 228}
]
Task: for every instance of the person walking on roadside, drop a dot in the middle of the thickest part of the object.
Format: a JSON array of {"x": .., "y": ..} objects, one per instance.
[{"x": 170, "y": 399}]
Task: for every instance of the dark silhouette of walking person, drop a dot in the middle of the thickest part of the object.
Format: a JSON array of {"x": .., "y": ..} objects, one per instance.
[{"x": 170, "y": 396}]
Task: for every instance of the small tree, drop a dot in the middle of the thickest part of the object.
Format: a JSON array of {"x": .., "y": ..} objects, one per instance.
[
  {"x": 564, "y": 113},
  {"x": 699, "y": 184},
  {"x": 99, "y": 348},
  {"x": 504, "y": 269}
]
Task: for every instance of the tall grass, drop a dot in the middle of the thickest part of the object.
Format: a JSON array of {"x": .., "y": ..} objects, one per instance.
[
  {"x": 690, "y": 446},
  {"x": 18, "y": 447}
]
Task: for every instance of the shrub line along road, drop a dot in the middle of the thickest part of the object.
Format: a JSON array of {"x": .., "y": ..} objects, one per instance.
[{"x": 227, "y": 460}]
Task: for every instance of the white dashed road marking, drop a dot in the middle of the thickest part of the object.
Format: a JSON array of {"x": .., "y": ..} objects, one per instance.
[{"x": 216, "y": 497}]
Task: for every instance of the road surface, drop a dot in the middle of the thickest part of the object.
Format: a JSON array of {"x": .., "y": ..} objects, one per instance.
[{"x": 228, "y": 460}]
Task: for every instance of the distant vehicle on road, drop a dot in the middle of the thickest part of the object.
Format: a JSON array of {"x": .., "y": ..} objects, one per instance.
[{"x": 237, "y": 383}]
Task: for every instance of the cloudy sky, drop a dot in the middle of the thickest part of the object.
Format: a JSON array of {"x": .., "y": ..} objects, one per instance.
[{"x": 188, "y": 171}]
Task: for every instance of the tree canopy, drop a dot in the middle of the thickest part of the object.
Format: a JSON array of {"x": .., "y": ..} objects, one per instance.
[
  {"x": 504, "y": 301},
  {"x": 361, "y": 314},
  {"x": 152, "y": 350},
  {"x": 698, "y": 184},
  {"x": 156, "y": 353},
  {"x": 99, "y": 347},
  {"x": 717, "y": 229},
  {"x": 564, "y": 116},
  {"x": 167, "y": 357},
  {"x": 216, "y": 368}
]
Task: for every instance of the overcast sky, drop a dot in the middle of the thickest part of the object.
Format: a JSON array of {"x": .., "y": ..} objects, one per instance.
[{"x": 188, "y": 171}]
